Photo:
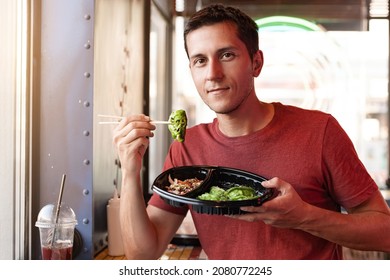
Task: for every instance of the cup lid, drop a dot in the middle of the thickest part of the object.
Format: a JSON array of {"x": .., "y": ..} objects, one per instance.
[{"x": 47, "y": 216}]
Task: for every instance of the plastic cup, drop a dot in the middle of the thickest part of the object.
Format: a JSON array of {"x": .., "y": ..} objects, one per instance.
[{"x": 56, "y": 238}]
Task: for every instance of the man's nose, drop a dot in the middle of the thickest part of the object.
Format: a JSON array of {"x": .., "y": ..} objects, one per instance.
[{"x": 215, "y": 70}]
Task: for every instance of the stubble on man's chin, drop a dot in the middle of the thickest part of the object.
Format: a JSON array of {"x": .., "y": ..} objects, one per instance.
[
  {"x": 226, "y": 111},
  {"x": 229, "y": 110}
]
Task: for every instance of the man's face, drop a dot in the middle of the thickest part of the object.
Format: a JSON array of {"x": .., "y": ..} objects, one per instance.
[{"x": 221, "y": 68}]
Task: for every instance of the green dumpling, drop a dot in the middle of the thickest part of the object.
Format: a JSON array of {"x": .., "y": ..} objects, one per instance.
[
  {"x": 178, "y": 125},
  {"x": 215, "y": 194},
  {"x": 241, "y": 193},
  {"x": 231, "y": 194}
]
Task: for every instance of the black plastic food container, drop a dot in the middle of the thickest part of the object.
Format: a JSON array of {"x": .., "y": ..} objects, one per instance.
[{"x": 222, "y": 177}]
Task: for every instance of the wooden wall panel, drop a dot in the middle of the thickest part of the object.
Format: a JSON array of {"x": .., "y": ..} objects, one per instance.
[{"x": 118, "y": 90}]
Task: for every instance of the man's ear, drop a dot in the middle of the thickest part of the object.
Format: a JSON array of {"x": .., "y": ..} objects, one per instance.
[{"x": 258, "y": 62}]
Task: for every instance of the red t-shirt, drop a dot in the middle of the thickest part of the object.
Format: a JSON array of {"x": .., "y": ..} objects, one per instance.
[{"x": 308, "y": 149}]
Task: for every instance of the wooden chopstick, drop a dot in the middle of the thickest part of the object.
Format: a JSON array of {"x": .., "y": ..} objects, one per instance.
[
  {"x": 119, "y": 118},
  {"x": 160, "y": 122},
  {"x": 109, "y": 122}
]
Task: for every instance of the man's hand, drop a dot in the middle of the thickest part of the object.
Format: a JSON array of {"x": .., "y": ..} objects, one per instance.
[
  {"x": 131, "y": 138},
  {"x": 286, "y": 210}
]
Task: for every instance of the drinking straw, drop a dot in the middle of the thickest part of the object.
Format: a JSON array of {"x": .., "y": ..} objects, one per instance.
[{"x": 58, "y": 206}]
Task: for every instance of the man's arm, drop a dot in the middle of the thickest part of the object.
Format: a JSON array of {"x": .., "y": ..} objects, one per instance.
[
  {"x": 365, "y": 227},
  {"x": 145, "y": 232}
]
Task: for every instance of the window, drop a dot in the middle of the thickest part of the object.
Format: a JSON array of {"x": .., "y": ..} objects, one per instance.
[
  {"x": 14, "y": 140},
  {"x": 159, "y": 89}
]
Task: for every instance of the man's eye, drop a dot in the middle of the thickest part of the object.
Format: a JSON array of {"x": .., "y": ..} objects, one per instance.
[
  {"x": 199, "y": 62},
  {"x": 227, "y": 56}
]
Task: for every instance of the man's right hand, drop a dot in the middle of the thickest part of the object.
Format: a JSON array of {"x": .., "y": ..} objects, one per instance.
[{"x": 131, "y": 138}]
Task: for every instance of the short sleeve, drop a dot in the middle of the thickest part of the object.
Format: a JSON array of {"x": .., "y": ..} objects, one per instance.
[{"x": 347, "y": 179}]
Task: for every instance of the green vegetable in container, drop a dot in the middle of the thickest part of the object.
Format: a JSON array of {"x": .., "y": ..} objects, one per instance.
[
  {"x": 178, "y": 125},
  {"x": 231, "y": 194},
  {"x": 215, "y": 193},
  {"x": 241, "y": 193}
]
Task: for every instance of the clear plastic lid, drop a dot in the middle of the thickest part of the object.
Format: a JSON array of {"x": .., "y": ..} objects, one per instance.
[{"x": 47, "y": 217}]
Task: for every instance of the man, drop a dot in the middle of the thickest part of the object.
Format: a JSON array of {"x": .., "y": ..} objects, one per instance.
[{"x": 309, "y": 158}]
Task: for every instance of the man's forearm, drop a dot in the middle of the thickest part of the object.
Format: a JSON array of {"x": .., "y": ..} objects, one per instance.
[
  {"x": 366, "y": 230},
  {"x": 138, "y": 233}
]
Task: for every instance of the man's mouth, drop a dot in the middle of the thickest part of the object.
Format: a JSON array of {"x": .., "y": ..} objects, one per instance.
[{"x": 217, "y": 90}]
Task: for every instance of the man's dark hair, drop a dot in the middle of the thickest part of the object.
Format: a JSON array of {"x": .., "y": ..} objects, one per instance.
[{"x": 247, "y": 29}]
